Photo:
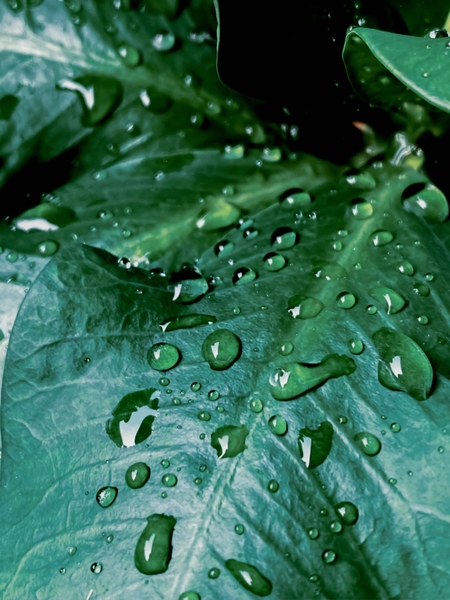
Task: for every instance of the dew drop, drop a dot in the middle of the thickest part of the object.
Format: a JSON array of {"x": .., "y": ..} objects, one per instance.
[
  {"x": 361, "y": 209},
  {"x": 427, "y": 201},
  {"x": 239, "y": 529},
  {"x": 188, "y": 285},
  {"x": 278, "y": 425},
  {"x": 169, "y": 480},
  {"x": 315, "y": 444},
  {"x": 164, "y": 42},
  {"x": 271, "y": 154},
  {"x": 405, "y": 268},
  {"x": 429, "y": 277},
  {"x": 329, "y": 556},
  {"x": 48, "y": 248},
  {"x": 100, "y": 95},
  {"x": 355, "y": 346},
  {"x": 273, "y": 486},
  {"x": 132, "y": 418},
  {"x": 368, "y": 443},
  {"x": 283, "y": 238},
  {"x": 249, "y": 577},
  {"x": 234, "y": 152},
  {"x": 313, "y": 533},
  {"x": 371, "y": 309},
  {"x": 223, "y": 248},
  {"x": 71, "y": 550},
  {"x": 255, "y": 405},
  {"x": 189, "y": 595},
  {"x": 421, "y": 289},
  {"x": 393, "y": 301},
  {"x": 273, "y": 261},
  {"x": 106, "y": 496},
  {"x": 395, "y": 427},
  {"x": 379, "y": 238},
  {"x": 130, "y": 55},
  {"x": 346, "y": 300},
  {"x": 213, "y": 573},
  {"x": 96, "y": 568},
  {"x": 204, "y": 416},
  {"x": 213, "y": 395},
  {"x": 243, "y": 275},
  {"x": 336, "y": 527},
  {"x": 137, "y": 475},
  {"x": 423, "y": 320},
  {"x": 154, "y": 547},
  {"x": 196, "y": 386},
  {"x": 286, "y": 349},
  {"x": 221, "y": 349},
  {"x": 347, "y": 512},
  {"x": 304, "y": 307},
  {"x": 229, "y": 440},
  {"x": 163, "y": 357}
]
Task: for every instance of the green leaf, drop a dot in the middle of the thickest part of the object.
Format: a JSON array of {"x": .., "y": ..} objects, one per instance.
[
  {"x": 419, "y": 16},
  {"x": 389, "y": 69},
  {"x": 80, "y": 346}
]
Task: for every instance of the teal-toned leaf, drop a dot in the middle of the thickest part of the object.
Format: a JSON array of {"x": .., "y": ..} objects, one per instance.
[
  {"x": 422, "y": 16},
  {"x": 80, "y": 346},
  {"x": 389, "y": 69}
]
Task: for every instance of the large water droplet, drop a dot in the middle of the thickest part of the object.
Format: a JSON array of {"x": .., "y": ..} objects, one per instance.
[
  {"x": 137, "y": 475},
  {"x": 243, "y": 275},
  {"x": 187, "y": 322},
  {"x": 283, "y": 238},
  {"x": 48, "y": 248},
  {"x": 346, "y": 300},
  {"x": 355, "y": 346},
  {"x": 315, "y": 444},
  {"x": 380, "y": 237},
  {"x": 329, "y": 556},
  {"x": 368, "y": 443},
  {"x": 273, "y": 261},
  {"x": 361, "y": 209},
  {"x": 229, "y": 440},
  {"x": 164, "y": 42},
  {"x": 250, "y": 577},
  {"x": 133, "y": 418},
  {"x": 278, "y": 425},
  {"x": 304, "y": 307},
  {"x": 427, "y": 201},
  {"x": 404, "y": 366},
  {"x": 293, "y": 379},
  {"x": 221, "y": 214},
  {"x": 106, "y": 496},
  {"x": 221, "y": 349},
  {"x": 169, "y": 480},
  {"x": 393, "y": 300},
  {"x": 188, "y": 285},
  {"x": 100, "y": 95},
  {"x": 163, "y": 357},
  {"x": 347, "y": 512},
  {"x": 154, "y": 547},
  {"x": 421, "y": 289},
  {"x": 295, "y": 198}
]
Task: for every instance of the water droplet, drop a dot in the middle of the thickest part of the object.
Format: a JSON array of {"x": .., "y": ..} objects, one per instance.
[
  {"x": 71, "y": 550},
  {"x": 62, "y": 571},
  {"x": 403, "y": 366},
  {"x": 48, "y": 248},
  {"x": 336, "y": 527},
  {"x": 427, "y": 201},
  {"x": 331, "y": 272},
  {"x": 106, "y": 496},
  {"x": 441, "y": 449},
  {"x": 423, "y": 320},
  {"x": 283, "y": 238},
  {"x": 410, "y": 473},
  {"x": 329, "y": 556},
  {"x": 395, "y": 427},
  {"x": 286, "y": 349},
  {"x": 249, "y": 577},
  {"x": 164, "y": 42},
  {"x": 169, "y": 480},
  {"x": 355, "y": 346},
  {"x": 393, "y": 300},
  {"x": 189, "y": 595},
  {"x": 12, "y": 257},
  {"x": 124, "y": 262},
  {"x": 304, "y": 307},
  {"x": 392, "y": 481},
  {"x": 429, "y": 277},
  {"x": 368, "y": 443},
  {"x": 421, "y": 289},
  {"x": 154, "y": 102},
  {"x": 255, "y": 405},
  {"x": 271, "y": 154},
  {"x": 234, "y": 152},
  {"x": 273, "y": 486},
  {"x": 196, "y": 386},
  {"x": 198, "y": 480},
  {"x": 130, "y": 55},
  {"x": 163, "y": 357},
  {"x": 96, "y": 568},
  {"x": 219, "y": 215},
  {"x": 132, "y": 418},
  {"x": 188, "y": 285},
  {"x": 213, "y": 395},
  {"x": 109, "y": 538},
  {"x": 361, "y": 181},
  {"x": 347, "y": 512},
  {"x": 223, "y": 248},
  {"x": 379, "y": 238},
  {"x": 213, "y": 573},
  {"x": 405, "y": 268},
  {"x": 323, "y": 512},
  {"x": 137, "y": 475},
  {"x": 221, "y": 349},
  {"x": 154, "y": 547},
  {"x": 100, "y": 95},
  {"x": 164, "y": 381},
  {"x": 371, "y": 309},
  {"x": 165, "y": 463},
  {"x": 315, "y": 444},
  {"x": 295, "y": 198},
  {"x": 294, "y": 379},
  {"x": 313, "y": 533},
  {"x": 346, "y": 300},
  {"x": 343, "y": 419},
  {"x": 204, "y": 416},
  {"x": 229, "y": 440},
  {"x": 220, "y": 409},
  {"x": 187, "y": 322},
  {"x": 239, "y": 529},
  {"x": 278, "y": 425},
  {"x": 314, "y": 578},
  {"x": 273, "y": 261},
  {"x": 361, "y": 209},
  {"x": 243, "y": 275},
  {"x": 337, "y": 246}
]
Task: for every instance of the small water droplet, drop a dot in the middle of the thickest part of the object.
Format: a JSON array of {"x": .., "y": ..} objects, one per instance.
[
  {"x": 361, "y": 209},
  {"x": 429, "y": 277},
  {"x": 313, "y": 533},
  {"x": 213, "y": 573},
  {"x": 169, "y": 480},
  {"x": 337, "y": 246},
  {"x": 196, "y": 386},
  {"x": 273, "y": 486},
  {"x": 271, "y": 154},
  {"x": 163, "y": 381},
  {"x": 106, "y": 496},
  {"x": 355, "y": 346},
  {"x": 137, "y": 475},
  {"x": 347, "y": 512},
  {"x": 165, "y": 463},
  {"x": 221, "y": 349},
  {"x": 329, "y": 556},
  {"x": 234, "y": 152},
  {"x": 371, "y": 309},
  {"x": 48, "y": 248},
  {"x": 239, "y": 529},
  {"x": 286, "y": 349},
  {"x": 343, "y": 419},
  {"x": 273, "y": 261},
  {"x": 336, "y": 527},
  {"x": 283, "y": 238},
  {"x": 304, "y": 307},
  {"x": 164, "y": 42},
  {"x": 243, "y": 275},
  {"x": 405, "y": 268},
  {"x": 423, "y": 320},
  {"x": 380, "y": 237},
  {"x": 346, "y": 300},
  {"x": 71, "y": 550},
  {"x": 96, "y": 568},
  {"x": 213, "y": 395},
  {"x": 395, "y": 427},
  {"x": 62, "y": 570},
  {"x": 229, "y": 440},
  {"x": 130, "y": 55},
  {"x": 421, "y": 289},
  {"x": 204, "y": 416},
  {"x": 249, "y": 577},
  {"x": 393, "y": 301}
]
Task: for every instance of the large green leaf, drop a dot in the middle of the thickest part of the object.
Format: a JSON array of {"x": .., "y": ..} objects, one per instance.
[
  {"x": 77, "y": 368},
  {"x": 389, "y": 69}
]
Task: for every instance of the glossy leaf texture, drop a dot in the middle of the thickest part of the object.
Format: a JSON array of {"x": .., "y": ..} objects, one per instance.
[
  {"x": 389, "y": 69},
  {"x": 230, "y": 490}
]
